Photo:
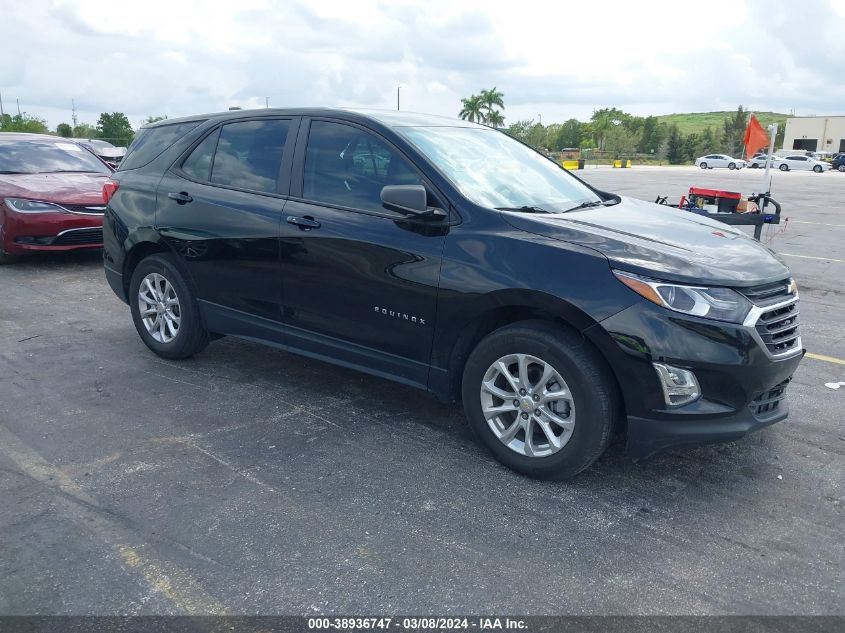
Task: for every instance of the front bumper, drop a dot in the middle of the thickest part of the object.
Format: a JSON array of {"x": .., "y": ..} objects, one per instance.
[
  {"x": 49, "y": 232},
  {"x": 743, "y": 387}
]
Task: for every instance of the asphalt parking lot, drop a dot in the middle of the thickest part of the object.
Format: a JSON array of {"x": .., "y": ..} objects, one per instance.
[{"x": 247, "y": 480}]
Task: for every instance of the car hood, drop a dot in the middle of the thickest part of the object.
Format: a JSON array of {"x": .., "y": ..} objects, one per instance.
[
  {"x": 60, "y": 188},
  {"x": 660, "y": 241}
]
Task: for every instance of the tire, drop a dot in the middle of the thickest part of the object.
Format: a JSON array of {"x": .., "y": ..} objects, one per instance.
[
  {"x": 6, "y": 258},
  {"x": 841, "y": 167},
  {"x": 189, "y": 337},
  {"x": 784, "y": 167},
  {"x": 590, "y": 405},
  {"x": 753, "y": 166},
  {"x": 817, "y": 169},
  {"x": 703, "y": 165},
  {"x": 731, "y": 165}
]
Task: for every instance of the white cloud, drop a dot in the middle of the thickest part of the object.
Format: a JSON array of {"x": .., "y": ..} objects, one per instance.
[{"x": 560, "y": 60}]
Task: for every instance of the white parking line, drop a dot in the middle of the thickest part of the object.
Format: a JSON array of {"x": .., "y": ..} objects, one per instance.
[
  {"x": 824, "y": 259},
  {"x": 817, "y": 223}
]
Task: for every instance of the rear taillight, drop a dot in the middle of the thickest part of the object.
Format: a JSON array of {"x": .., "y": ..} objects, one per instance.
[{"x": 109, "y": 189}]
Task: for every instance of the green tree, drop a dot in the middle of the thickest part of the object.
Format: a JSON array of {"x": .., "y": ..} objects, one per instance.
[
  {"x": 472, "y": 109},
  {"x": 734, "y": 130},
  {"x": 83, "y": 130},
  {"x": 23, "y": 123},
  {"x": 706, "y": 143},
  {"x": 603, "y": 120},
  {"x": 570, "y": 134},
  {"x": 652, "y": 136},
  {"x": 490, "y": 100},
  {"x": 619, "y": 140},
  {"x": 691, "y": 147},
  {"x": 115, "y": 127},
  {"x": 675, "y": 146},
  {"x": 495, "y": 119},
  {"x": 64, "y": 130}
]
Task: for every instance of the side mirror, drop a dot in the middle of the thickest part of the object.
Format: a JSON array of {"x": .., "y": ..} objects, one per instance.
[{"x": 410, "y": 200}]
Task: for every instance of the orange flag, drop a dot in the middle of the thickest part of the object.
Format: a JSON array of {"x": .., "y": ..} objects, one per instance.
[{"x": 755, "y": 137}]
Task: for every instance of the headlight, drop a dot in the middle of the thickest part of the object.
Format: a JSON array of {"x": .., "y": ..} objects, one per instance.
[
  {"x": 21, "y": 205},
  {"x": 722, "y": 304}
]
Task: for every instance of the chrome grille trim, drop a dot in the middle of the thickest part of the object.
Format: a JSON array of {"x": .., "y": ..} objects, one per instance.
[{"x": 776, "y": 328}]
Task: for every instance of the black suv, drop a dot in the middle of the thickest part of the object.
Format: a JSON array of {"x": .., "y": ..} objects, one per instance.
[
  {"x": 448, "y": 256},
  {"x": 838, "y": 162}
]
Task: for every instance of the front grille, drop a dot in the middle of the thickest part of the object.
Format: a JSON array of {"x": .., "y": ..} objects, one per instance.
[
  {"x": 768, "y": 293},
  {"x": 79, "y": 236},
  {"x": 768, "y": 404},
  {"x": 96, "y": 209},
  {"x": 778, "y": 329}
]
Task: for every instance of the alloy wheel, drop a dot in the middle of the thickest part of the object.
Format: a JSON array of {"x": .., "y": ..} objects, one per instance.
[
  {"x": 527, "y": 405},
  {"x": 158, "y": 306}
]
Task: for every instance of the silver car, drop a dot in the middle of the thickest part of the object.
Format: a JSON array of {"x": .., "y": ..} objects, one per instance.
[{"x": 712, "y": 161}]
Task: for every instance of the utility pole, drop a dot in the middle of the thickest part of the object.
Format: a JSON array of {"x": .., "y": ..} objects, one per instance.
[
  {"x": 73, "y": 112},
  {"x": 1, "y": 104},
  {"x": 397, "y": 97},
  {"x": 18, "y": 101},
  {"x": 266, "y": 102}
]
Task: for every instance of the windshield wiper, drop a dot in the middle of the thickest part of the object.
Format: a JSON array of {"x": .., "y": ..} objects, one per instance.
[
  {"x": 527, "y": 208},
  {"x": 586, "y": 205}
]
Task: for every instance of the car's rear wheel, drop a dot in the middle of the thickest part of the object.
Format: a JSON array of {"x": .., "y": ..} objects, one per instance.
[
  {"x": 841, "y": 167},
  {"x": 817, "y": 169},
  {"x": 731, "y": 165},
  {"x": 164, "y": 311},
  {"x": 539, "y": 399},
  {"x": 784, "y": 167},
  {"x": 704, "y": 165}
]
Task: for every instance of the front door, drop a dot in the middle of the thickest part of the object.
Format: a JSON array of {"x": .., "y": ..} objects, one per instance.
[
  {"x": 220, "y": 210},
  {"x": 360, "y": 282}
]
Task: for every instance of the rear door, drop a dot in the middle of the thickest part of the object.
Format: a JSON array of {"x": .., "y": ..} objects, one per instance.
[
  {"x": 360, "y": 282},
  {"x": 220, "y": 206}
]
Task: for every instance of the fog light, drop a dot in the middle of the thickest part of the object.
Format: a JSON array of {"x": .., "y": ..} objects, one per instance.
[{"x": 680, "y": 386}]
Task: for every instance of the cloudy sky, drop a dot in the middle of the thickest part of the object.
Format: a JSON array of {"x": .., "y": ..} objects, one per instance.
[{"x": 551, "y": 59}]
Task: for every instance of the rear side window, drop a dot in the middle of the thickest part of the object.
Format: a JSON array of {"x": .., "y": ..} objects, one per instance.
[
  {"x": 152, "y": 141},
  {"x": 198, "y": 164},
  {"x": 249, "y": 154}
]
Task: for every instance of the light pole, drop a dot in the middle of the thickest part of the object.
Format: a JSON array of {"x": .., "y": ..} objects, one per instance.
[
  {"x": 541, "y": 118},
  {"x": 397, "y": 96}
]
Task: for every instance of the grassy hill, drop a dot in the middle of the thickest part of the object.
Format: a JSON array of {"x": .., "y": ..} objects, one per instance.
[{"x": 697, "y": 121}]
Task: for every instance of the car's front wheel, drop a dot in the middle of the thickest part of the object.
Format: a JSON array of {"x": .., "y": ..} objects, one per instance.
[
  {"x": 6, "y": 258},
  {"x": 817, "y": 169},
  {"x": 703, "y": 165},
  {"x": 731, "y": 165},
  {"x": 784, "y": 167},
  {"x": 539, "y": 399},
  {"x": 841, "y": 167},
  {"x": 164, "y": 310}
]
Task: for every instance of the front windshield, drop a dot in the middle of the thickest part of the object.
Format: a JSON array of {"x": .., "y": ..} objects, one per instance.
[
  {"x": 38, "y": 157},
  {"x": 493, "y": 170}
]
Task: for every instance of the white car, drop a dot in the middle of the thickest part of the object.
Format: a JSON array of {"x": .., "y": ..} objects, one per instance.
[
  {"x": 804, "y": 163},
  {"x": 719, "y": 160},
  {"x": 760, "y": 162}
]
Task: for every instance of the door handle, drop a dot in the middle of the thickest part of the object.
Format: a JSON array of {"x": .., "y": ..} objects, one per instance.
[
  {"x": 180, "y": 197},
  {"x": 305, "y": 223}
]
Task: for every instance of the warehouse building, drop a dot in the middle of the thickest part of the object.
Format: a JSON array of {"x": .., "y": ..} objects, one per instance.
[{"x": 815, "y": 133}]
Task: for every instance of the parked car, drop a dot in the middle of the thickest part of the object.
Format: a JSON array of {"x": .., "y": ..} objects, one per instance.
[
  {"x": 712, "y": 161},
  {"x": 104, "y": 150},
  {"x": 804, "y": 163},
  {"x": 470, "y": 266},
  {"x": 759, "y": 162},
  {"x": 51, "y": 193},
  {"x": 838, "y": 162}
]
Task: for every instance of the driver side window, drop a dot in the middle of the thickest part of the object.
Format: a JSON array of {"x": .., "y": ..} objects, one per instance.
[{"x": 347, "y": 166}]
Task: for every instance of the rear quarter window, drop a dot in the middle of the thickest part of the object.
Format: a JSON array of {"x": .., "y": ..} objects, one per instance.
[{"x": 150, "y": 142}]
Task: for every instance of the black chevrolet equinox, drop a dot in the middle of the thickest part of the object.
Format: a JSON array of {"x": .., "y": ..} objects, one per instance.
[{"x": 448, "y": 256}]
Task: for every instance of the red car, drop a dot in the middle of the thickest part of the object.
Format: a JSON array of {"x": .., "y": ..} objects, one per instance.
[{"x": 51, "y": 195}]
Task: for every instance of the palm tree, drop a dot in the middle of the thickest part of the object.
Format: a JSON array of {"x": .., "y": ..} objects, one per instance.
[
  {"x": 495, "y": 119},
  {"x": 492, "y": 98},
  {"x": 472, "y": 109}
]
